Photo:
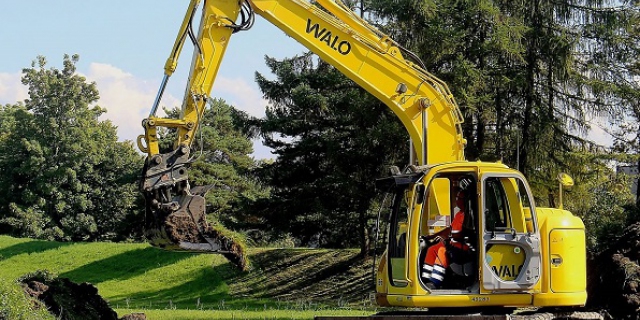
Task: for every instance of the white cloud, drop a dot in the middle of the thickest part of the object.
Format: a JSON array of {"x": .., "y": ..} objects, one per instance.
[
  {"x": 11, "y": 89},
  {"x": 240, "y": 94},
  {"x": 126, "y": 98},
  {"x": 246, "y": 97}
]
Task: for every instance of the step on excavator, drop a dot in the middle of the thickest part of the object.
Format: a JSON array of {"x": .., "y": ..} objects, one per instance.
[{"x": 504, "y": 253}]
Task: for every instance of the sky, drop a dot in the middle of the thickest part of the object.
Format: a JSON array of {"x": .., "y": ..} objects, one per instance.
[{"x": 123, "y": 46}]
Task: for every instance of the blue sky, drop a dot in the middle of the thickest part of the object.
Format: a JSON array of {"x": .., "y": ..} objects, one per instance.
[{"x": 123, "y": 46}]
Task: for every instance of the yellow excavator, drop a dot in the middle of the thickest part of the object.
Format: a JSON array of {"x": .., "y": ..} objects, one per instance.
[{"x": 514, "y": 253}]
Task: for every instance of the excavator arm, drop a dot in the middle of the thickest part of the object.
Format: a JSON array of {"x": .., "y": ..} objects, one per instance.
[
  {"x": 378, "y": 64},
  {"x": 175, "y": 217},
  {"x": 175, "y": 212}
]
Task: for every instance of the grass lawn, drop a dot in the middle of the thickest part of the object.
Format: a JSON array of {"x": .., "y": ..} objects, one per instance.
[{"x": 284, "y": 284}]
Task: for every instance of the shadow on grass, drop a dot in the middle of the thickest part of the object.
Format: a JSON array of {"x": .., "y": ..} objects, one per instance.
[
  {"x": 324, "y": 276},
  {"x": 280, "y": 279},
  {"x": 29, "y": 247},
  {"x": 206, "y": 289},
  {"x": 125, "y": 265}
]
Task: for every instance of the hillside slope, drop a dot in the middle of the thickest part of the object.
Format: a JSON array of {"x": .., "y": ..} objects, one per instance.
[{"x": 139, "y": 276}]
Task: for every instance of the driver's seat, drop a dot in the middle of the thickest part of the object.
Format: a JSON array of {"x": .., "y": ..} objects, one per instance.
[{"x": 462, "y": 262}]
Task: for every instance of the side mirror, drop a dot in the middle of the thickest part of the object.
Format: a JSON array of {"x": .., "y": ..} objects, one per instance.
[{"x": 566, "y": 181}]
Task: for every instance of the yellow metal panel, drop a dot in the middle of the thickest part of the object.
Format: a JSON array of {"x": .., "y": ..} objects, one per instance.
[
  {"x": 438, "y": 207},
  {"x": 462, "y": 300},
  {"x": 557, "y": 299},
  {"x": 515, "y": 205},
  {"x": 567, "y": 260}
]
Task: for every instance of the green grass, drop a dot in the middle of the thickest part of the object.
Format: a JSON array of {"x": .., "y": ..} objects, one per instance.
[
  {"x": 284, "y": 284},
  {"x": 241, "y": 314},
  {"x": 15, "y": 305}
]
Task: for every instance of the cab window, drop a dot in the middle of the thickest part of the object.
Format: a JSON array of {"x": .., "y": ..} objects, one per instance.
[
  {"x": 496, "y": 212},
  {"x": 398, "y": 239}
]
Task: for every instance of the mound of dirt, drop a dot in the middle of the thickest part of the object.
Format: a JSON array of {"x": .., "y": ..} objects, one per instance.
[
  {"x": 70, "y": 301},
  {"x": 613, "y": 281}
]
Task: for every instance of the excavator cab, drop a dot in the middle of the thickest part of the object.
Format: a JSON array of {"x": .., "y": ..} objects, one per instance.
[
  {"x": 447, "y": 195},
  {"x": 502, "y": 262},
  {"x": 434, "y": 203}
]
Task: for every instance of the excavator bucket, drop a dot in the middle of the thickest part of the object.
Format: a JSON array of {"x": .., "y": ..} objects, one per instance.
[{"x": 175, "y": 217}]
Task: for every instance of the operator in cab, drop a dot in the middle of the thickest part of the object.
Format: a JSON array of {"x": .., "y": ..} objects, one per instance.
[{"x": 437, "y": 259}]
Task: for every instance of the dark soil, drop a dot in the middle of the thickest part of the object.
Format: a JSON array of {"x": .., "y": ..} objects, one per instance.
[
  {"x": 613, "y": 280},
  {"x": 134, "y": 316},
  {"x": 181, "y": 226},
  {"x": 68, "y": 300},
  {"x": 233, "y": 251}
]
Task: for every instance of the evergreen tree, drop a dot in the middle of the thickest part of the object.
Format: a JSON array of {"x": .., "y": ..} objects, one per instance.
[
  {"x": 471, "y": 45},
  {"x": 525, "y": 73},
  {"x": 65, "y": 175},
  {"x": 222, "y": 159},
  {"x": 332, "y": 140}
]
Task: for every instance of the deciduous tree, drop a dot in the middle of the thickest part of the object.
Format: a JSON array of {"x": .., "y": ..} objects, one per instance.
[
  {"x": 222, "y": 159},
  {"x": 65, "y": 176}
]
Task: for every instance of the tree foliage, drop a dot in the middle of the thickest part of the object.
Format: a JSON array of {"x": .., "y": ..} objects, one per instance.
[
  {"x": 222, "y": 159},
  {"x": 528, "y": 75},
  {"x": 600, "y": 197},
  {"x": 332, "y": 140},
  {"x": 65, "y": 175}
]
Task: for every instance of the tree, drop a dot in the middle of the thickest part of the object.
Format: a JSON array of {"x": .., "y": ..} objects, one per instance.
[
  {"x": 472, "y": 46},
  {"x": 525, "y": 73},
  {"x": 222, "y": 159},
  {"x": 332, "y": 140},
  {"x": 65, "y": 175}
]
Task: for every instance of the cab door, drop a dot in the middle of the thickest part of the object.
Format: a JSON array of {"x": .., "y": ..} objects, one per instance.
[{"x": 510, "y": 248}]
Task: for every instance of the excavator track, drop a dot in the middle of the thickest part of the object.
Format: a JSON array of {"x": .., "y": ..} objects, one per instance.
[
  {"x": 583, "y": 315},
  {"x": 576, "y": 315}
]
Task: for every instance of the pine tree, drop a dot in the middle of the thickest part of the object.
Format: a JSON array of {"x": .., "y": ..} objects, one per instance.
[
  {"x": 525, "y": 73},
  {"x": 332, "y": 140},
  {"x": 222, "y": 159}
]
